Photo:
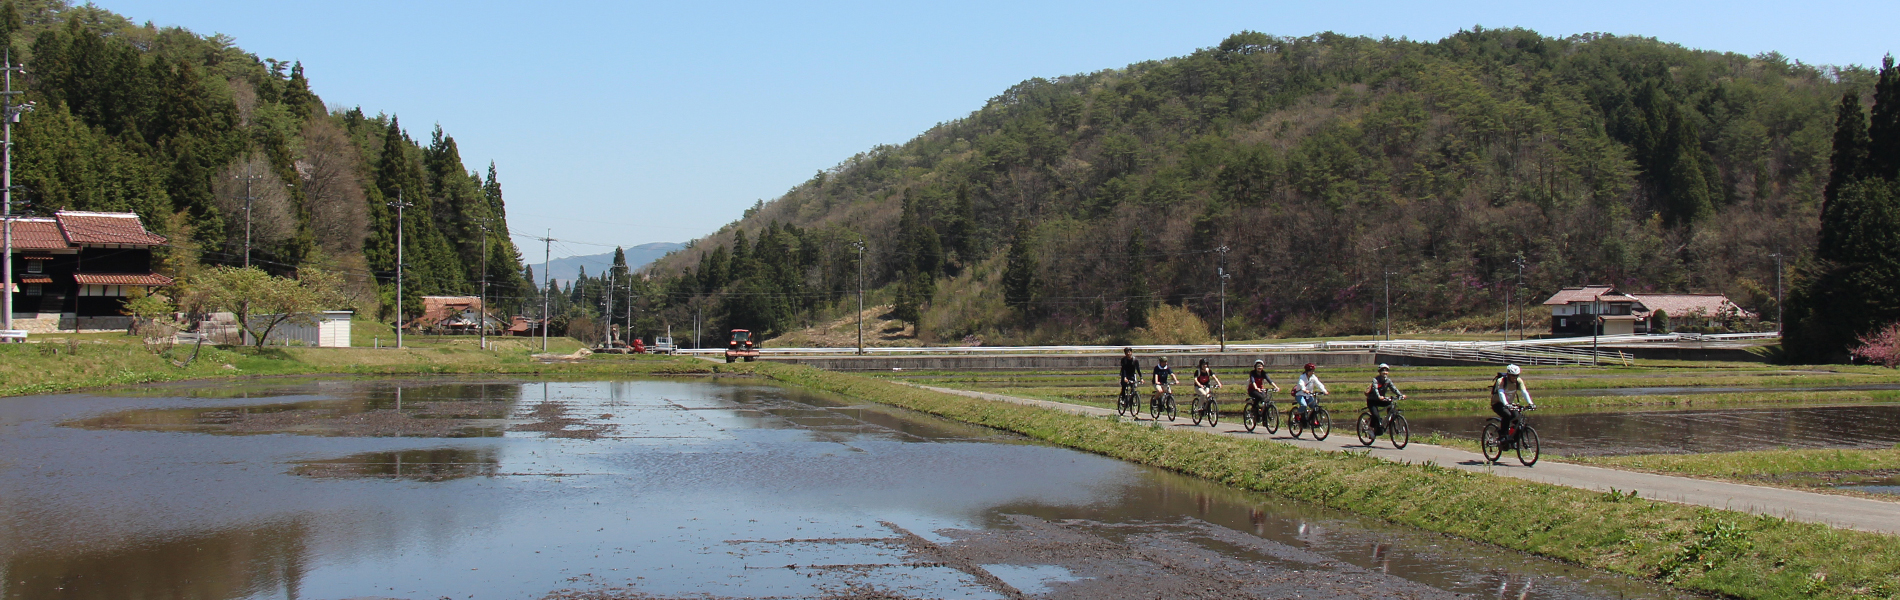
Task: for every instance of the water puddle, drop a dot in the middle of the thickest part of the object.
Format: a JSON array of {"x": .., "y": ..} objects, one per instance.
[
  {"x": 1694, "y": 431},
  {"x": 655, "y": 489}
]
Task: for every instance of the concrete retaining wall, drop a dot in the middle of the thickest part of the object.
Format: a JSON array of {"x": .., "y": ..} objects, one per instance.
[{"x": 1183, "y": 363}]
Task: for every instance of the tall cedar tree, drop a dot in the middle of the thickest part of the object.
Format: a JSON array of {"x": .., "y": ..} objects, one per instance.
[
  {"x": 1019, "y": 273},
  {"x": 1853, "y": 288}
]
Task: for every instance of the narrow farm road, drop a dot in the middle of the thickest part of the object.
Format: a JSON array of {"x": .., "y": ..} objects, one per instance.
[{"x": 1795, "y": 505}]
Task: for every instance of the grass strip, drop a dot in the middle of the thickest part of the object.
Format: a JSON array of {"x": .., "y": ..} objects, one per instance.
[
  {"x": 1694, "y": 548},
  {"x": 30, "y": 369},
  {"x": 1741, "y": 465}
]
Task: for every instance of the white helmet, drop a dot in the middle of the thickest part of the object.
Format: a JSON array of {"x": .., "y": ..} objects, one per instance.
[
  {"x": 1513, "y": 370},
  {"x": 1385, "y": 367}
]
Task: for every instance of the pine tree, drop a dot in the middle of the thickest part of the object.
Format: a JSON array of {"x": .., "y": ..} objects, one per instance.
[
  {"x": 1848, "y": 161},
  {"x": 1883, "y": 132},
  {"x": 1019, "y": 274}
]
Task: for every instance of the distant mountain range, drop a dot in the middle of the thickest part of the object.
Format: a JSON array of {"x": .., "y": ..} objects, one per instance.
[{"x": 566, "y": 269}]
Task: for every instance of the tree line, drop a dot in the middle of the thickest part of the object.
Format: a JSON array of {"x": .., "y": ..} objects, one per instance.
[{"x": 195, "y": 135}]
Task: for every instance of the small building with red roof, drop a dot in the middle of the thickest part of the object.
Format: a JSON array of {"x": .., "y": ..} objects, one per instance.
[
  {"x": 74, "y": 270},
  {"x": 1579, "y": 310}
]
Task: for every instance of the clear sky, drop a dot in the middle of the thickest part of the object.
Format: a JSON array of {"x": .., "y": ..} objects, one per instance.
[{"x": 622, "y": 123}]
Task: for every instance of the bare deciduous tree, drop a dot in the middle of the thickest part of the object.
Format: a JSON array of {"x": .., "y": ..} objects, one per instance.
[
  {"x": 333, "y": 188},
  {"x": 271, "y": 217}
]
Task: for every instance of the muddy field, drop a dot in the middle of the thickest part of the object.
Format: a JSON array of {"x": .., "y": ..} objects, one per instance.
[{"x": 424, "y": 489}]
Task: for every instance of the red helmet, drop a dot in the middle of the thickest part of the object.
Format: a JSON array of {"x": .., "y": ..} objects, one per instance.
[{"x": 1311, "y": 366}]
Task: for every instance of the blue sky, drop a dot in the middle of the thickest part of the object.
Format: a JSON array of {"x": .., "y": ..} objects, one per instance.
[{"x": 621, "y": 123}]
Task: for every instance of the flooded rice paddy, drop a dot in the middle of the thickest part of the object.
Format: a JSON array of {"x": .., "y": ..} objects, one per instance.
[
  {"x": 311, "y": 489},
  {"x": 1580, "y": 433}
]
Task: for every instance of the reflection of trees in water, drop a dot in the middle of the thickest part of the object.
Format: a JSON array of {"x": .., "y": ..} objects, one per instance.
[
  {"x": 429, "y": 464},
  {"x": 268, "y": 560}
]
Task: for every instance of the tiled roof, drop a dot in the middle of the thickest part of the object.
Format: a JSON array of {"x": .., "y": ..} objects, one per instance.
[
  {"x": 105, "y": 228},
  {"x": 37, "y": 234},
  {"x": 1680, "y": 305},
  {"x": 121, "y": 279},
  {"x": 1588, "y": 293},
  {"x": 437, "y": 309}
]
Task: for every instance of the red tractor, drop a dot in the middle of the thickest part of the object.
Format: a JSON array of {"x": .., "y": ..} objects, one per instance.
[{"x": 741, "y": 346}]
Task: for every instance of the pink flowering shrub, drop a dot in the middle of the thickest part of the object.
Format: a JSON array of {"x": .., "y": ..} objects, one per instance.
[{"x": 1881, "y": 347}]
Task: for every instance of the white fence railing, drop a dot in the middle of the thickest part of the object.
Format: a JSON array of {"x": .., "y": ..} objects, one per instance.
[{"x": 1554, "y": 348}]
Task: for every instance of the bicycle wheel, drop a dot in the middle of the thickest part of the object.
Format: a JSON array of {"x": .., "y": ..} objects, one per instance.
[
  {"x": 1399, "y": 432},
  {"x": 1196, "y": 412},
  {"x": 1248, "y": 416},
  {"x": 1271, "y": 416},
  {"x": 1295, "y": 422},
  {"x": 1365, "y": 429},
  {"x": 1154, "y": 408},
  {"x": 1527, "y": 449},
  {"x": 1173, "y": 409},
  {"x": 1322, "y": 424},
  {"x": 1490, "y": 442},
  {"x": 1213, "y": 412}
]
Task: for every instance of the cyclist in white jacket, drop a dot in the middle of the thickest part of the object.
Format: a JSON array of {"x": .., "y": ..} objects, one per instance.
[{"x": 1308, "y": 388}]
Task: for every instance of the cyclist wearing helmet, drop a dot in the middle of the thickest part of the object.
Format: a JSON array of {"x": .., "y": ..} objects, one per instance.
[
  {"x": 1511, "y": 379},
  {"x": 1381, "y": 396},
  {"x": 1131, "y": 370},
  {"x": 1258, "y": 382},
  {"x": 1308, "y": 388},
  {"x": 1204, "y": 383}
]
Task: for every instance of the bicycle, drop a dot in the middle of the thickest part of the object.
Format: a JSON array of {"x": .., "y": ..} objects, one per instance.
[
  {"x": 1318, "y": 420},
  {"x": 1163, "y": 405},
  {"x": 1128, "y": 404},
  {"x": 1394, "y": 426},
  {"x": 1209, "y": 409},
  {"x": 1522, "y": 437},
  {"x": 1260, "y": 411}
]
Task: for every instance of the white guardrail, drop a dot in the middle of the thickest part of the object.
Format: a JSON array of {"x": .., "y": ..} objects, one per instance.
[{"x": 1566, "y": 350}]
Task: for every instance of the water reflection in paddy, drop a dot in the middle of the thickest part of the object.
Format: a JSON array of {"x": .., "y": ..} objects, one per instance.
[{"x": 670, "y": 488}]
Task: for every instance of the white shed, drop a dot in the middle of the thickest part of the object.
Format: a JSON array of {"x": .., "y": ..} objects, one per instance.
[{"x": 331, "y": 330}]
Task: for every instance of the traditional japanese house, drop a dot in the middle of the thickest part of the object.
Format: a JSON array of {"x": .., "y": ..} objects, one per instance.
[{"x": 74, "y": 271}]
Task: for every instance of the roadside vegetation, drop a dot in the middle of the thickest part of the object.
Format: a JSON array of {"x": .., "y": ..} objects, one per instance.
[{"x": 1698, "y": 549}]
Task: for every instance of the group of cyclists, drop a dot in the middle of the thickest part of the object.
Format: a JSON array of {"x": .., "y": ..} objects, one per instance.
[{"x": 1308, "y": 388}]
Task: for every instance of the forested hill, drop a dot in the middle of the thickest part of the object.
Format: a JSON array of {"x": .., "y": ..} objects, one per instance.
[
  {"x": 1319, "y": 162},
  {"x": 172, "y": 125}
]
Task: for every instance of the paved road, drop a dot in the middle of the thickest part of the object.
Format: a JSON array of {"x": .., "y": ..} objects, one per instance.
[{"x": 1839, "y": 511}]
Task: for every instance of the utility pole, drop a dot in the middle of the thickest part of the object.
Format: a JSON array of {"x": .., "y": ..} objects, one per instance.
[
  {"x": 248, "y": 197},
  {"x": 1386, "y": 275},
  {"x": 1222, "y": 271},
  {"x": 11, "y": 116},
  {"x": 399, "y": 204},
  {"x": 860, "y": 245},
  {"x": 547, "y": 250},
  {"x": 607, "y": 311},
  {"x": 629, "y": 321},
  {"x": 481, "y": 325},
  {"x": 1517, "y": 291},
  {"x": 1778, "y": 325}
]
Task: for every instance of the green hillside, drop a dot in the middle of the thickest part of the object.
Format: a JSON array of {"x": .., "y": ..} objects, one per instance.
[
  {"x": 171, "y": 125},
  {"x": 1320, "y": 162}
]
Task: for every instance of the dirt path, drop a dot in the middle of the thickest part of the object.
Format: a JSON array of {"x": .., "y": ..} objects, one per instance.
[{"x": 1794, "y": 505}]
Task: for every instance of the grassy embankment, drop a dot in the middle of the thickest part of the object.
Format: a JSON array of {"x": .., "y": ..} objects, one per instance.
[
  {"x": 70, "y": 362},
  {"x": 1699, "y": 549}
]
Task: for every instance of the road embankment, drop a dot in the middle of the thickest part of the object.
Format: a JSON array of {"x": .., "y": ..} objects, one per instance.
[{"x": 1699, "y": 549}]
